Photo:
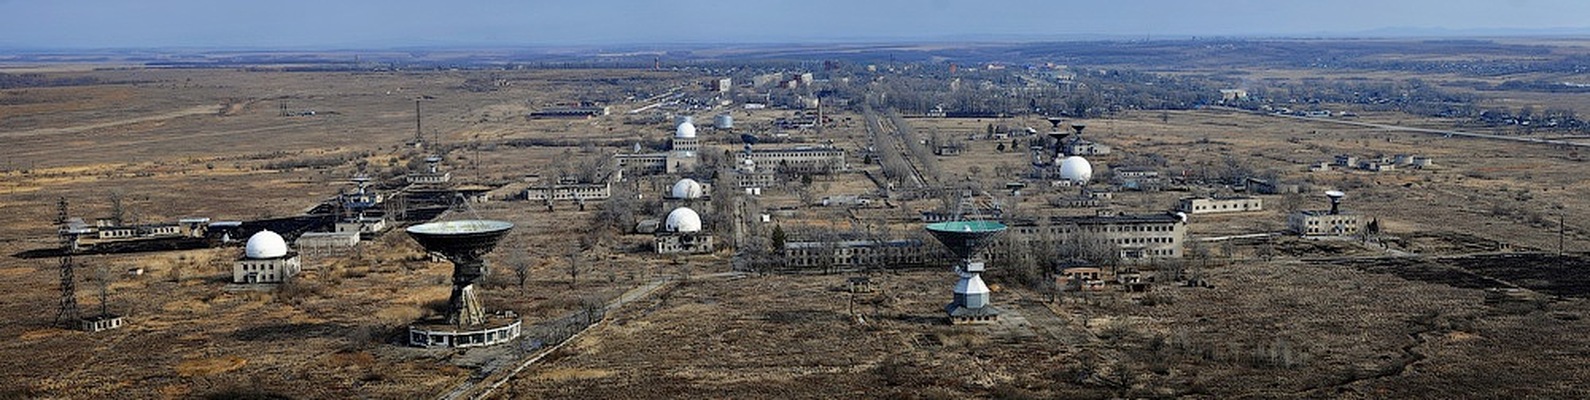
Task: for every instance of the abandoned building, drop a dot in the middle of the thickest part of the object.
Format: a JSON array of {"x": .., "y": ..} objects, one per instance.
[
  {"x": 1140, "y": 238},
  {"x": 682, "y": 234},
  {"x": 1213, "y": 205},
  {"x": 1324, "y": 223},
  {"x": 855, "y": 254},
  {"x": 570, "y": 190},
  {"x": 800, "y": 159}
]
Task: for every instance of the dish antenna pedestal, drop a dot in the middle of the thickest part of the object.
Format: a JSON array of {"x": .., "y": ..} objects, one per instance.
[
  {"x": 966, "y": 239},
  {"x": 464, "y": 243}
]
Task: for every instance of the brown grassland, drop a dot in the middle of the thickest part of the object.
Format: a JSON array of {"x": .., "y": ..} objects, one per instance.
[{"x": 1306, "y": 323}]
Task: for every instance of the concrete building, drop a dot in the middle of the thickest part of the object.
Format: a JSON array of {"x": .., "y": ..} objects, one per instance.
[
  {"x": 266, "y": 259},
  {"x": 748, "y": 176},
  {"x": 327, "y": 243},
  {"x": 570, "y": 191},
  {"x": 1324, "y": 223},
  {"x": 432, "y": 174},
  {"x": 1081, "y": 147},
  {"x": 1214, "y": 205},
  {"x": 846, "y": 254},
  {"x": 362, "y": 224},
  {"x": 723, "y": 85},
  {"x": 800, "y": 160},
  {"x": 1140, "y": 238},
  {"x": 1137, "y": 178}
]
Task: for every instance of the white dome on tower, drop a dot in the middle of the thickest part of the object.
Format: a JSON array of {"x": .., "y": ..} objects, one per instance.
[
  {"x": 265, "y": 244},
  {"x": 686, "y": 189},
  {"x": 1076, "y": 169},
  {"x": 683, "y": 220},
  {"x": 686, "y": 130}
]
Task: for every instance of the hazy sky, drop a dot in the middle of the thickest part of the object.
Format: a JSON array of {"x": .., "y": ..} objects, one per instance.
[{"x": 361, "y": 23}]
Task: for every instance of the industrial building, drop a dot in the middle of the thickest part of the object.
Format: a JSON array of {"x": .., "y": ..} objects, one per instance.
[
  {"x": 266, "y": 259},
  {"x": 1212, "y": 205}
]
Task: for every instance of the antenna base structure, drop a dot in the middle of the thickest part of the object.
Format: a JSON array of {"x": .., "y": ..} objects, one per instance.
[
  {"x": 966, "y": 240},
  {"x": 466, "y": 322}
]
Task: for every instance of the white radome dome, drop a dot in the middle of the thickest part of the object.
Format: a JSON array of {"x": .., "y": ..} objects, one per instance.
[
  {"x": 686, "y": 189},
  {"x": 686, "y": 130},
  {"x": 683, "y": 220},
  {"x": 1076, "y": 169},
  {"x": 265, "y": 244}
]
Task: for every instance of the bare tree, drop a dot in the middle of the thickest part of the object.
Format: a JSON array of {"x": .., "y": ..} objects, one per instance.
[
  {"x": 520, "y": 262},
  {"x": 118, "y": 209}
]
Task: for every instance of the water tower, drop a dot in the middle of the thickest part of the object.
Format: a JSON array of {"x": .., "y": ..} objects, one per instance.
[
  {"x": 465, "y": 323},
  {"x": 966, "y": 240}
]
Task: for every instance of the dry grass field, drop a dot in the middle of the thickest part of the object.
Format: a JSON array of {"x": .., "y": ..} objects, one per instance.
[{"x": 203, "y": 142}]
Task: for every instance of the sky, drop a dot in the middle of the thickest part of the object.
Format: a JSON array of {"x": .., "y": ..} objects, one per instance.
[{"x": 301, "y": 24}]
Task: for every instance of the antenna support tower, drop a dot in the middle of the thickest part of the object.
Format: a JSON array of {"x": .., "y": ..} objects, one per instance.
[{"x": 67, "y": 314}]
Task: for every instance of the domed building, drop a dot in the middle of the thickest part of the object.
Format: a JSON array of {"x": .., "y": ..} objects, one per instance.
[
  {"x": 266, "y": 259},
  {"x": 1076, "y": 170},
  {"x": 683, "y": 220},
  {"x": 687, "y": 189},
  {"x": 681, "y": 233}
]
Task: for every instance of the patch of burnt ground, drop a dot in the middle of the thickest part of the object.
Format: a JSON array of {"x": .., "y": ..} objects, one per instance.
[
  {"x": 1415, "y": 269},
  {"x": 1565, "y": 275}
]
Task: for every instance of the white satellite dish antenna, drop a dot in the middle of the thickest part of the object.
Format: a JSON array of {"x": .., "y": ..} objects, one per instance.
[{"x": 1336, "y": 200}]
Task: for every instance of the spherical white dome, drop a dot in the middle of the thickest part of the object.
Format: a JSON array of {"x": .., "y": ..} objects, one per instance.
[
  {"x": 265, "y": 244},
  {"x": 683, "y": 220},
  {"x": 1076, "y": 169},
  {"x": 686, "y": 130},
  {"x": 686, "y": 189}
]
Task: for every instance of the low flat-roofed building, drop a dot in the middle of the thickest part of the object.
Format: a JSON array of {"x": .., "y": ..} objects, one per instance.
[
  {"x": 1211, "y": 205},
  {"x": 570, "y": 191},
  {"x": 327, "y": 243}
]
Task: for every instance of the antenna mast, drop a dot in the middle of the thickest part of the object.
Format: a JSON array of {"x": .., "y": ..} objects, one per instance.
[{"x": 67, "y": 314}]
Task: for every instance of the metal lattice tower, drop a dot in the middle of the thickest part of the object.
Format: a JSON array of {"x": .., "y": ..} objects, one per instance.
[{"x": 67, "y": 313}]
